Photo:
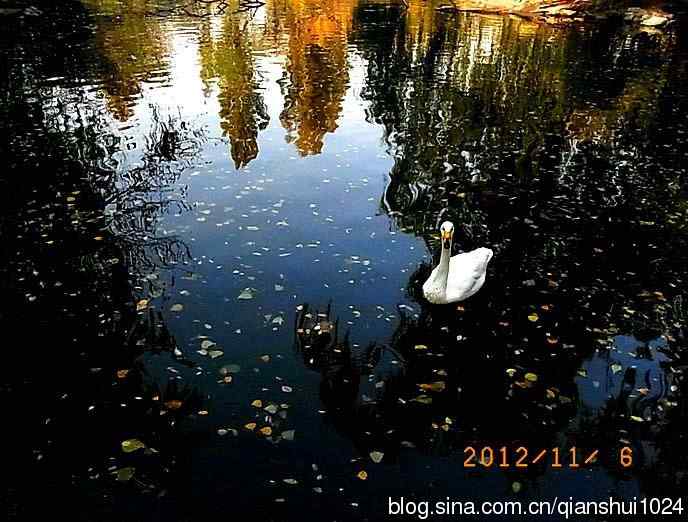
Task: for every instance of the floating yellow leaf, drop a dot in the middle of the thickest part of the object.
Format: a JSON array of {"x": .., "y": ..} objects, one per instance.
[
  {"x": 533, "y": 317},
  {"x": 121, "y": 374},
  {"x": 131, "y": 445},
  {"x": 142, "y": 305},
  {"x": 510, "y": 372},
  {"x": 257, "y": 403},
  {"x": 434, "y": 386},
  {"x": 531, "y": 377},
  {"x": 637, "y": 419},
  {"x": 266, "y": 430},
  {"x": 173, "y": 404},
  {"x": 203, "y": 412},
  {"x": 250, "y": 426},
  {"x": 423, "y": 399},
  {"x": 362, "y": 475},
  {"x": 177, "y": 307},
  {"x": 421, "y": 347}
]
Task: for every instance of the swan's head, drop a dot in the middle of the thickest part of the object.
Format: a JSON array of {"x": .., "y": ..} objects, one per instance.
[{"x": 447, "y": 233}]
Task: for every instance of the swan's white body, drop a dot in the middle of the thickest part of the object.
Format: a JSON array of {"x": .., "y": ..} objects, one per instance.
[{"x": 459, "y": 277}]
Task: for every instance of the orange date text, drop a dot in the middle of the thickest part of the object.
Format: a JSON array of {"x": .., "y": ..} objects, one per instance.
[{"x": 522, "y": 457}]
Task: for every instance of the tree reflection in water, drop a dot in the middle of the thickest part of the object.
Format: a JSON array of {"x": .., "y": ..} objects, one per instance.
[{"x": 80, "y": 248}]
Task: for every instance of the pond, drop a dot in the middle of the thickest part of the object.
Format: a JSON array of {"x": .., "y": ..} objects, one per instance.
[{"x": 217, "y": 219}]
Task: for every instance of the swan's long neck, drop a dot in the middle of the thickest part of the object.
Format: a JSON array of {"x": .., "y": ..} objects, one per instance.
[{"x": 443, "y": 267}]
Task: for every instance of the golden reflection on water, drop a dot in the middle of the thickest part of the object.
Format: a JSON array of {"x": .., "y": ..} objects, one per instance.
[{"x": 506, "y": 61}]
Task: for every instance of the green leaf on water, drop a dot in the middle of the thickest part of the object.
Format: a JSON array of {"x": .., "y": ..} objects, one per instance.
[
  {"x": 125, "y": 474},
  {"x": 130, "y": 445}
]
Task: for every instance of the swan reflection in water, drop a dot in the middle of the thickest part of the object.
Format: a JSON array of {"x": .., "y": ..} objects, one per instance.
[{"x": 428, "y": 388}]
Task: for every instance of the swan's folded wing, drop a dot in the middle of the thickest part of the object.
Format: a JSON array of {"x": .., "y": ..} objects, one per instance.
[
  {"x": 467, "y": 273},
  {"x": 473, "y": 263}
]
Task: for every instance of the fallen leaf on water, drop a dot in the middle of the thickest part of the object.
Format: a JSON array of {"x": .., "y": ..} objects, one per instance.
[
  {"x": 142, "y": 305},
  {"x": 531, "y": 377},
  {"x": 644, "y": 391},
  {"x": 257, "y": 403},
  {"x": 376, "y": 456},
  {"x": 288, "y": 434},
  {"x": 271, "y": 409},
  {"x": 510, "y": 372},
  {"x": 616, "y": 367},
  {"x": 250, "y": 426},
  {"x": 290, "y": 481},
  {"x": 583, "y": 372},
  {"x": 287, "y": 389},
  {"x": 178, "y": 307},
  {"x": 203, "y": 412},
  {"x": 207, "y": 343},
  {"x": 423, "y": 399},
  {"x": 247, "y": 293},
  {"x": 121, "y": 374},
  {"x": 362, "y": 475},
  {"x": 173, "y": 404},
  {"x": 265, "y": 358},
  {"x": 421, "y": 347},
  {"x": 130, "y": 445},
  {"x": 266, "y": 430},
  {"x": 230, "y": 368},
  {"x": 214, "y": 354},
  {"x": 533, "y": 317},
  {"x": 637, "y": 419},
  {"x": 125, "y": 474},
  {"x": 434, "y": 386}
]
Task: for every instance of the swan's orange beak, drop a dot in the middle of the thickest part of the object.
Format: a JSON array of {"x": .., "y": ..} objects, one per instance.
[{"x": 446, "y": 238}]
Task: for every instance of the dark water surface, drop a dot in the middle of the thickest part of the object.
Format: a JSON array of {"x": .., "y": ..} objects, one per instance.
[{"x": 215, "y": 229}]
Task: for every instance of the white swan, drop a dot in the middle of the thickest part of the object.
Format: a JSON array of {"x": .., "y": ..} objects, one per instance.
[{"x": 459, "y": 277}]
